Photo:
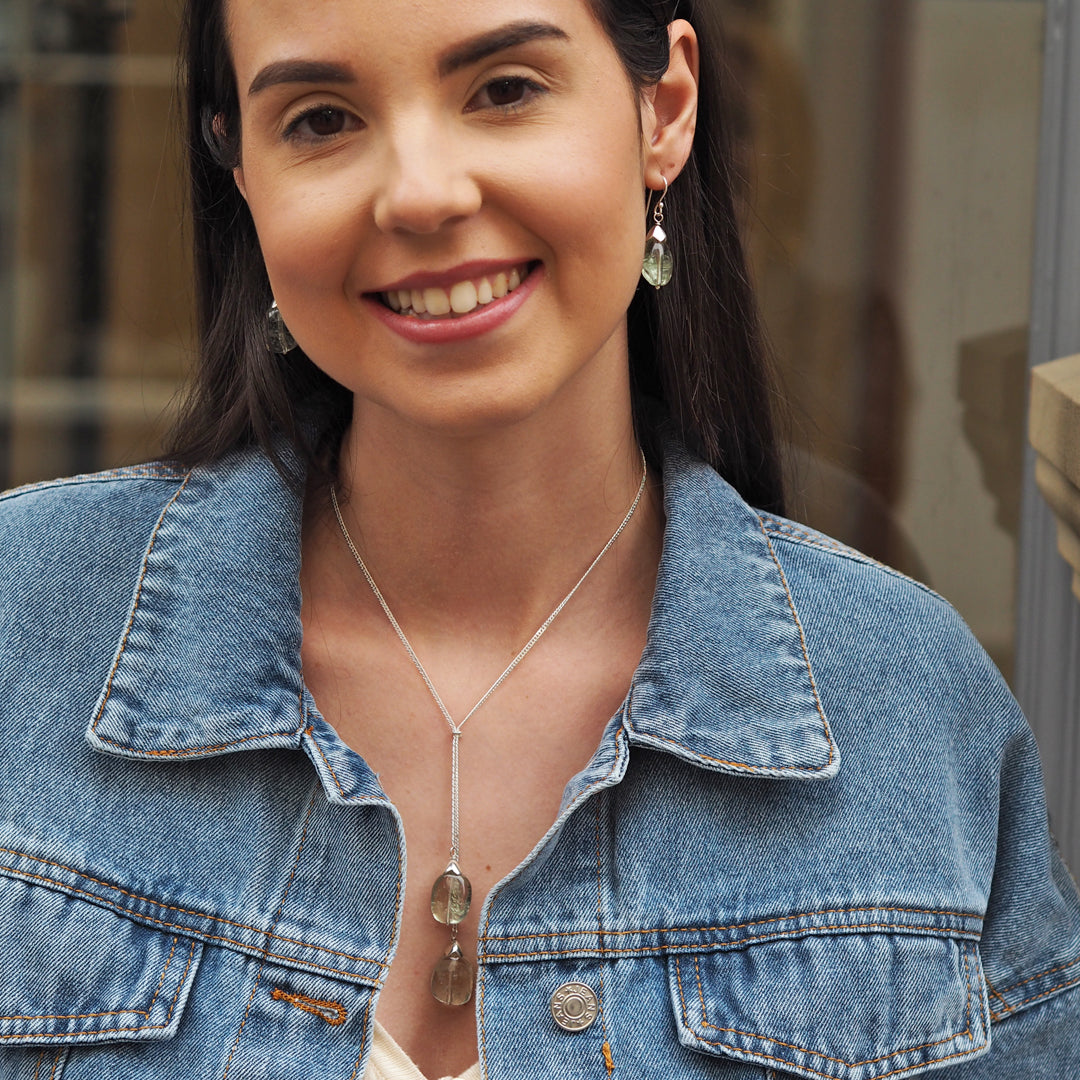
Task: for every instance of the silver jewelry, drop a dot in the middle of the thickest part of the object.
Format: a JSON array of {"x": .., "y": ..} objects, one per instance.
[
  {"x": 657, "y": 265},
  {"x": 281, "y": 341},
  {"x": 453, "y": 977}
]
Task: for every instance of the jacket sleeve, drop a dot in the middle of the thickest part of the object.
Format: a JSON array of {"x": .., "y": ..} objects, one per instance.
[{"x": 1030, "y": 946}]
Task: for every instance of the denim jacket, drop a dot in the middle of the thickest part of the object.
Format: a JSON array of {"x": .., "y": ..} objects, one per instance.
[{"x": 811, "y": 843}]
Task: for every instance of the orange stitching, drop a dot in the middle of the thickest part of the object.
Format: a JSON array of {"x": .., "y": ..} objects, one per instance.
[
  {"x": 56, "y": 1063},
  {"x": 326, "y": 762},
  {"x": 114, "y": 1012},
  {"x": 277, "y": 916},
  {"x": 106, "y": 1031},
  {"x": 990, "y": 986},
  {"x": 737, "y": 764},
  {"x": 37, "y": 1067},
  {"x": 363, "y": 1038},
  {"x": 643, "y": 949},
  {"x": 1047, "y": 993},
  {"x": 492, "y": 897},
  {"x": 333, "y": 1012},
  {"x": 167, "y": 907},
  {"x": 138, "y": 597},
  {"x": 1049, "y": 971},
  {"x": 802, "y": 641},
  {"x": 195, "y": 749},
  {"x": 203, "y": 936},
  {"x": 769, "y": 1057},
  {"x": 744, "y": 926},
  {"x": 600, "y": 937},
  {"x": 966, "y": 1033},
  {"x": 183, "y": 980}
]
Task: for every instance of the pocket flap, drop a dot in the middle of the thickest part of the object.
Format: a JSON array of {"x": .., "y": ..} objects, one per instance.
[
  {"x": 73, "y": 972},
  {"x": 844, "y": 1006}
]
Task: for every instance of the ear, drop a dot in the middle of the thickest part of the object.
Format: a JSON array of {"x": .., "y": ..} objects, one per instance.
[
  {"x": 669, "y": 109},
  {"x": 238, "y": 178}
]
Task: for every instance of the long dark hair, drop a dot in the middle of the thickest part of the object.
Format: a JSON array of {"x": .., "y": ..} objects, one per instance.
[{"x": 696, "y": 346}]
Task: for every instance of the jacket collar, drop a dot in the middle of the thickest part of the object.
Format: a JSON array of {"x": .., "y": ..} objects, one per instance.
[{"x": 209, "y": 661}]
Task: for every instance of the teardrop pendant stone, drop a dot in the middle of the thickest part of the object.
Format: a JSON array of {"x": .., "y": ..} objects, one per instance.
[
  {"x": 657, "y": 266},
  {"x": 451, "y": 895},
  {"x": 453, "y": 979}
]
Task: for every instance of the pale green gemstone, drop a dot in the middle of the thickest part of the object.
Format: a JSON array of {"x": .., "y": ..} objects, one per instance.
[
  {"x": 451, "y": 895},
  {"x": 453, "y": 978},
  {"x": 657, "y": 266}
]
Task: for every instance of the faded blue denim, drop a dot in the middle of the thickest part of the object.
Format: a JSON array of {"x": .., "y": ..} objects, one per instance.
[{"x": 811, "y": 843}]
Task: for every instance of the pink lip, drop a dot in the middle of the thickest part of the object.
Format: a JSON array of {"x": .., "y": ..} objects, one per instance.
[
  {"x": 469, "y": 271},
  {"x": 480, "y": 320}
]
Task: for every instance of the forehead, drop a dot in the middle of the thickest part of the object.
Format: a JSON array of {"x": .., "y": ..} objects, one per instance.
[{"x": 386, "y": 33}]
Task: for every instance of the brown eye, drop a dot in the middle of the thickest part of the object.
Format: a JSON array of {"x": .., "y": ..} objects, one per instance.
[
  {"x": 508, "y": 94},
  {"x": 326, "y": 122},
  {"x": 504, "y": 92}
]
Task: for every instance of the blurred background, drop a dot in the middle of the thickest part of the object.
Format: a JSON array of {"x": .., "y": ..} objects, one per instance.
[{"x": 889, "y": 153}]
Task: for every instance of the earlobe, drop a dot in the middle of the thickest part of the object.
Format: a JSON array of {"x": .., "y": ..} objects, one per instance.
[
  {"x": 669, "y": 113},
  {"x": 238, "y": 178}
]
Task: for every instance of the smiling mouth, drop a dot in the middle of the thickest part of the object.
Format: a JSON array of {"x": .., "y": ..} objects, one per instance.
[{"x": 460, "y": 299}]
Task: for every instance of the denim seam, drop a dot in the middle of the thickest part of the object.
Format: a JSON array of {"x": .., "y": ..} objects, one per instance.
[
  {"x": 130, "y": 473},
  {"x": 491, "y": 903},
  {"x": 384, "y": 963},
  {"x": 1048, "y": 971},
  {"x": 169, "y": 907},
  {"x": 802, "y": 642},
  {"x": 363, "y": 1038},
  {"x": 277, "y": 917},
  {"x": 965, "y": 1034},
  {"x": 769, "y": 1057},
  {"x": 1037, "y": 997},
  {"x": 784, "y": 531},
  {"x": 747, "y": 925},
  {"x": 665, "y": 949},
  {"x": 608, "y": 1062},
  {"x": 112, "y": 1012},
  {"x": 55, "y": 1064},
  {"x": 115, "y": 1030}
]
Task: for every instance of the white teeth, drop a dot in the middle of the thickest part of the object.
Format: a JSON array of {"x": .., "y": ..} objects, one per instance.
[
  {"x": 437, "y": 302},
  {"x": 462, "y": 298}
]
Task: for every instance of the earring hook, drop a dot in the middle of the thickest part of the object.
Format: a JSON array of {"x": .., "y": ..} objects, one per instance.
[{"x": 658, "y": 209}]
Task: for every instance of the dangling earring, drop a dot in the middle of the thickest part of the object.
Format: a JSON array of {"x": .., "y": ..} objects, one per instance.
[
  {"x": 657, "y": 265},
  {"x": 281, "y": 341}
]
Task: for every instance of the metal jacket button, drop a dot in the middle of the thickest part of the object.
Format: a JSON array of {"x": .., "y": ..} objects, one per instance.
[{"x": 574, "y": 1006}]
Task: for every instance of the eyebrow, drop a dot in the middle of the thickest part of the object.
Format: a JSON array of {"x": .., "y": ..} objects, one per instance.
[
  {"x": 300, "y": 71},
  {"x": 460, "y": 56},
  {"x": 505, "y": 37}
]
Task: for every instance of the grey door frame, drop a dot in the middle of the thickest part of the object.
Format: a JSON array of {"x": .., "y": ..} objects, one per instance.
[{"x": 1048, "y": 615}]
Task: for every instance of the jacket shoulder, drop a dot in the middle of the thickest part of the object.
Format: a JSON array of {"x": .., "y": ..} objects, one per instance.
[{"x": 78, "y": 528}]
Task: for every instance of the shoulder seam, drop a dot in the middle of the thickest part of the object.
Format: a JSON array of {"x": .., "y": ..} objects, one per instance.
[
  {"x": 807, "y": 537},
  {"x": 133, "y": 472}
]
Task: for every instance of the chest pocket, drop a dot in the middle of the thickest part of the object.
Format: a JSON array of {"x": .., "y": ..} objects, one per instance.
[
  {"x": 841, "y": 1006},
  {"x": 72, "y": 972}
]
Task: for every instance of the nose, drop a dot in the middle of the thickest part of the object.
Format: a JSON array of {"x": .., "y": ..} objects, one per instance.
[{"x": 427, "y": 183}]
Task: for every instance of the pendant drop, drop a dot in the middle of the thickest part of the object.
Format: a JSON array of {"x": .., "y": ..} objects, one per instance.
[
  {"x": 657, "y": 266},
  {"x": 451, "y": 896},
  {"x": 453, "y": 978}
]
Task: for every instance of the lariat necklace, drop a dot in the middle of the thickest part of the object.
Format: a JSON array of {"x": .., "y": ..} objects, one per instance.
[{"x": 454, "y": 976}]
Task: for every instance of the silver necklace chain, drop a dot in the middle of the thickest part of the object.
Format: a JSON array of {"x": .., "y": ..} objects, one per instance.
[{"x": 455, "y": 728}]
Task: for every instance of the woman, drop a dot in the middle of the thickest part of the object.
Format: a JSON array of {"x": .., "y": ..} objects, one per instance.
[{"x": 745, "y": 804}]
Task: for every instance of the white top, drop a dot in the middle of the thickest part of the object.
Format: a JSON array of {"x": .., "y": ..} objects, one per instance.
[{"x": 389, "y": 1062}]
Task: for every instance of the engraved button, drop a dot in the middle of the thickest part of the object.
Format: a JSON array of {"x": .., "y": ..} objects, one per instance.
[{"x": 574, "y": 1006}]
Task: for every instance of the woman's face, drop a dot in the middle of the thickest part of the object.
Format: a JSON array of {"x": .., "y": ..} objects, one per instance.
[{"x": 400, "y": 155}]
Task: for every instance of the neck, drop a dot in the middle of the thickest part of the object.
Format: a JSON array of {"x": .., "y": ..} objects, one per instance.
[{"x": 491, "y": 530}]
